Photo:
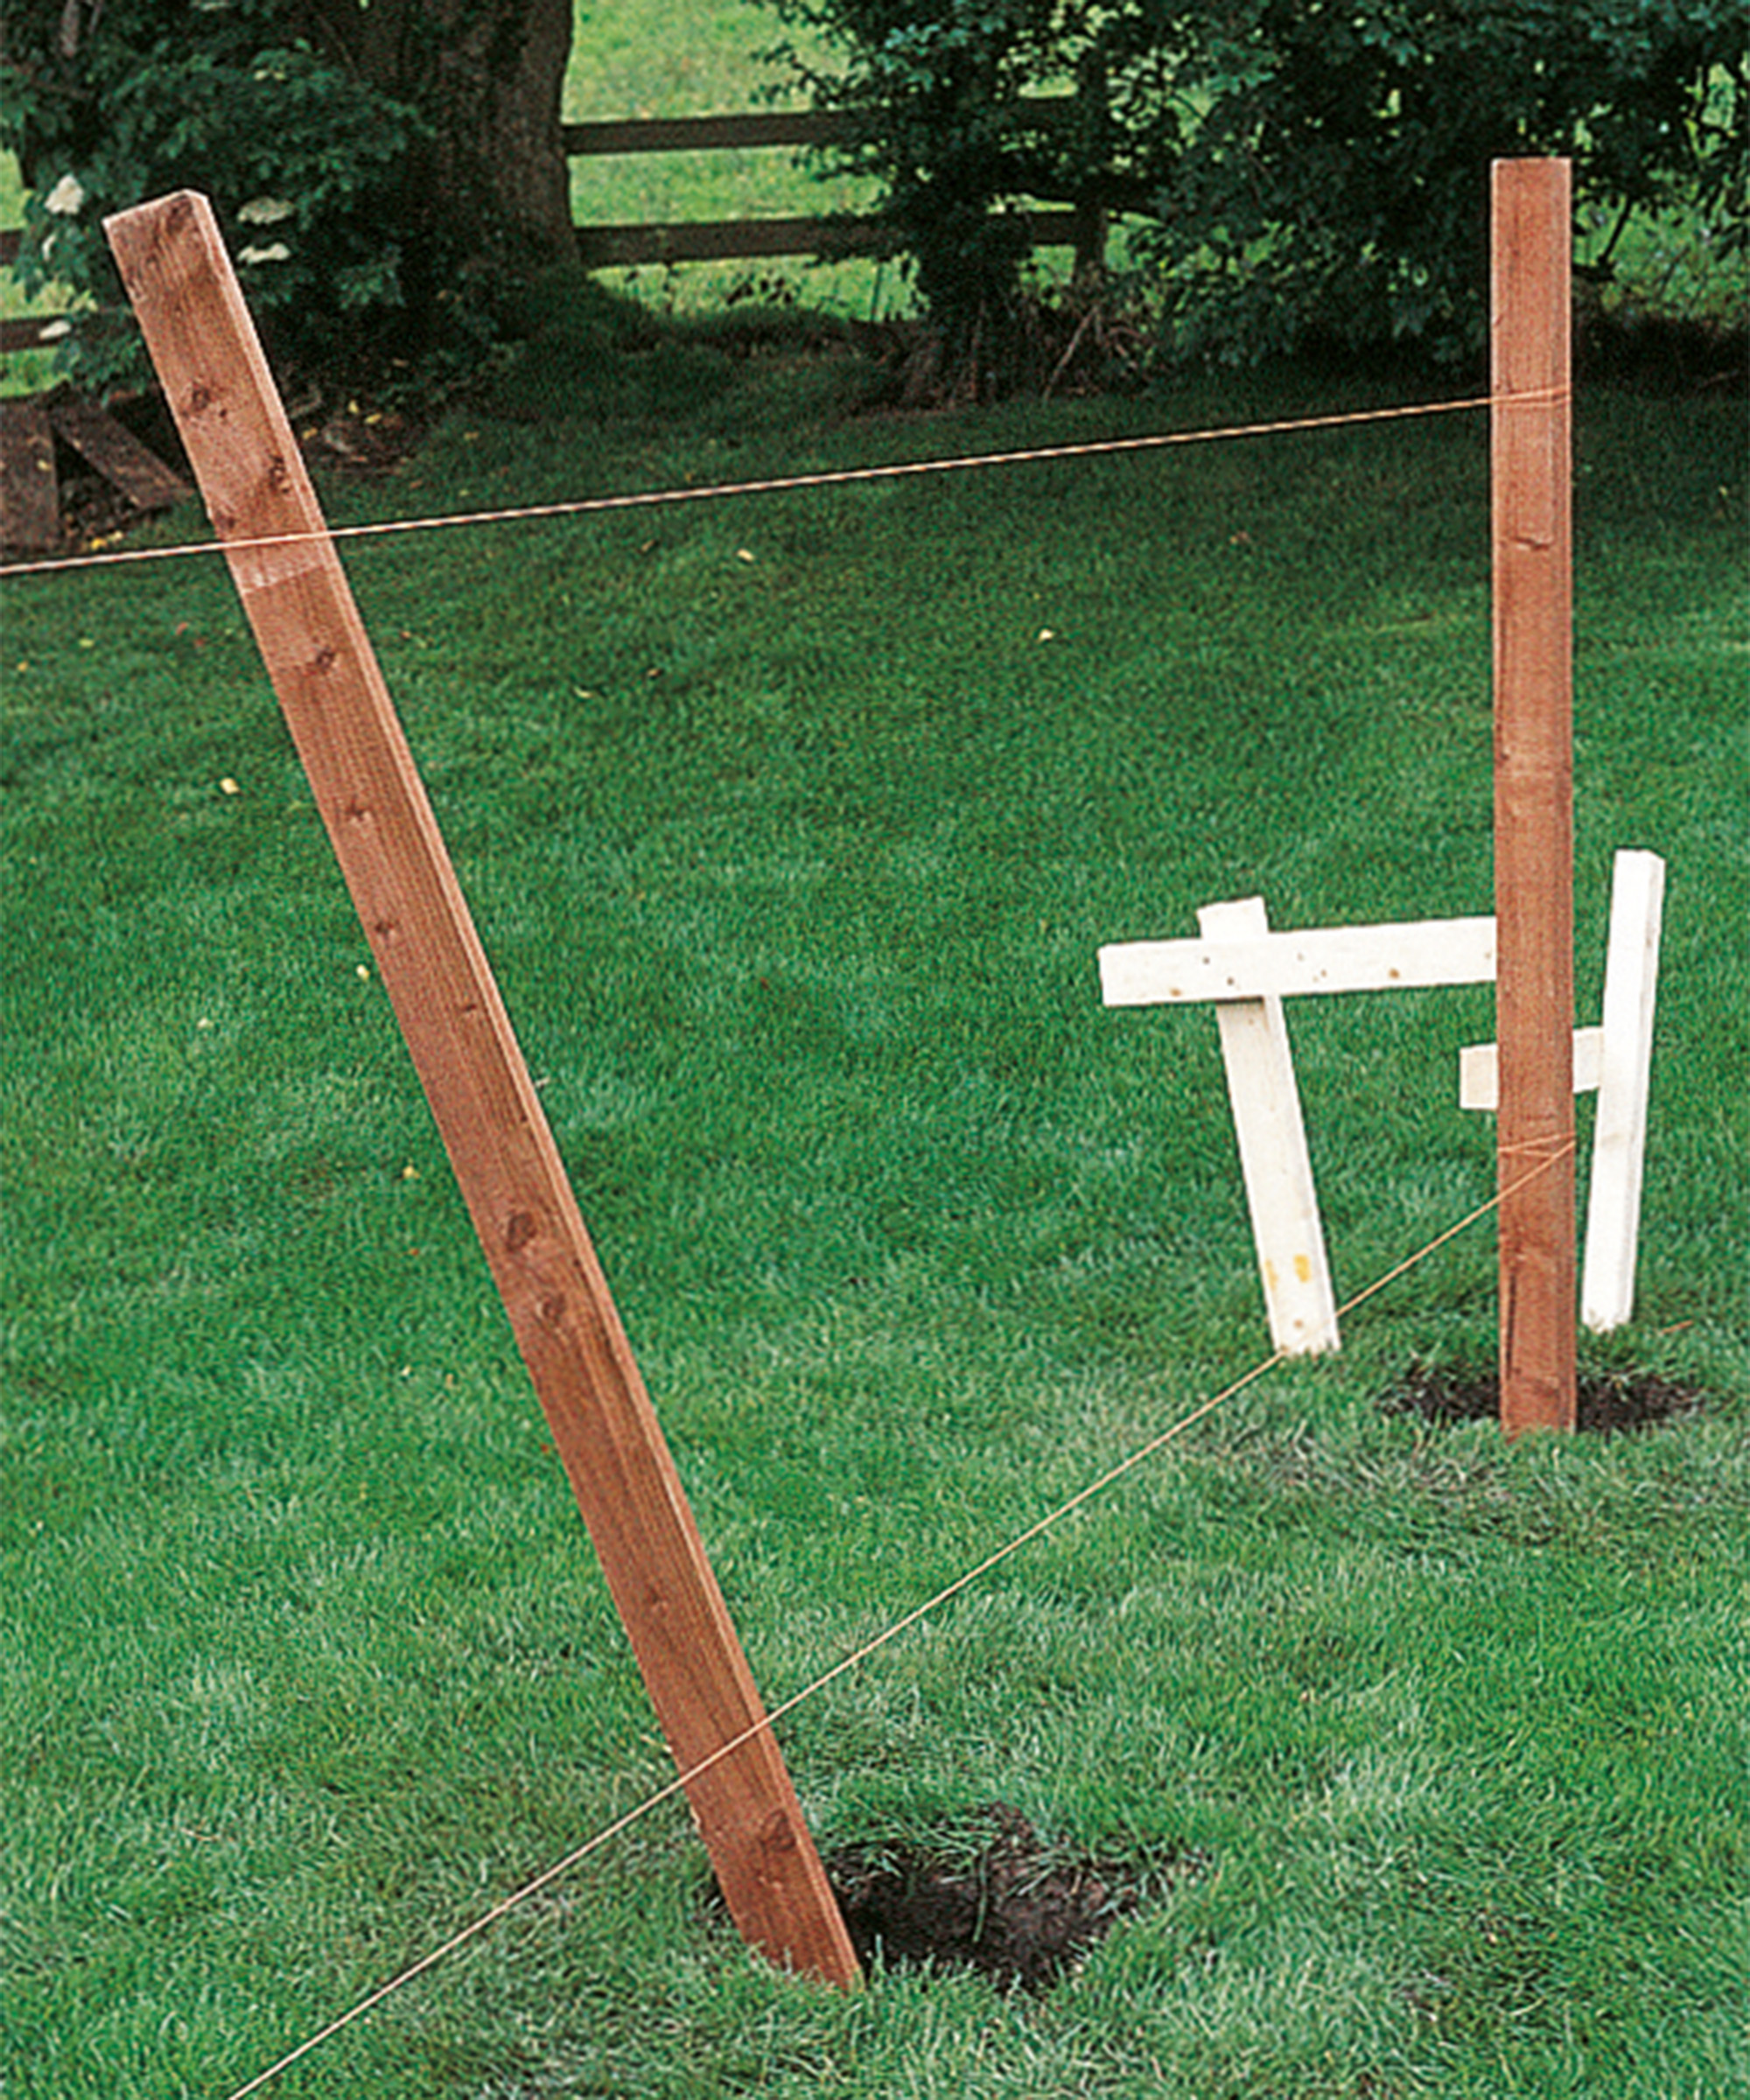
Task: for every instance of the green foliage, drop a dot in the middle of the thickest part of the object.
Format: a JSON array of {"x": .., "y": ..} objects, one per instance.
[
  {"x": 1302, "y": 171},
  {"x": 938, "y": 93},
  {"x": 1323, "y": 171},
  {"x": 300, "y": 157}
]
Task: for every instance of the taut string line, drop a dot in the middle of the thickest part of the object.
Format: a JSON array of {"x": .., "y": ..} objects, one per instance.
[
  {"x": 832, "y": 478},
  {"x": 880, "y": 1641}
]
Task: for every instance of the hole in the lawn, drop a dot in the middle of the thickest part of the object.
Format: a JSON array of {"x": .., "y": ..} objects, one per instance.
[
  {"x": 1606, "y": 1402},
  {"x": 1018, "y": 1910}
]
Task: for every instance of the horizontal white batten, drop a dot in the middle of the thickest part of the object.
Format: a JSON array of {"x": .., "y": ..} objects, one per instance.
[
  {"x": 1325, "y": 959},
  {"x": 1480, "y": 1069}
]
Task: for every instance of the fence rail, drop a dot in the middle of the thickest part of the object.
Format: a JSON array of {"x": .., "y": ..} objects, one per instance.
[{"x": 1079, "y": 224}]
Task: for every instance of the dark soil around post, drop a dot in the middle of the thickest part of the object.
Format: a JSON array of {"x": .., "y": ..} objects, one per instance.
[
  {"x": 1019, "y": 1911},
  {"x": 1608, "y": 1403}
]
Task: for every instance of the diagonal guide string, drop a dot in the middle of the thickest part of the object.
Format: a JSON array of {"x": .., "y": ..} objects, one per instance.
[
  {"x": 830, "y": 477},
  {"x": 861, "y": 1654}
]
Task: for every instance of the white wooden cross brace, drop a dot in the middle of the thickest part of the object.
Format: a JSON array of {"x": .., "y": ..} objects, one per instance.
[{"x": 1245, "y": 971}]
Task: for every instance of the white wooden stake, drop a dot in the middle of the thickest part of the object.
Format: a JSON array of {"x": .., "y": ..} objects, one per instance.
[
  {"x": 1620, "y": 1138},
  {"x": 1616, "y": 1058},
  {"x": 1273, "y": 1156},
  {"x": 1245, "y": 971}
]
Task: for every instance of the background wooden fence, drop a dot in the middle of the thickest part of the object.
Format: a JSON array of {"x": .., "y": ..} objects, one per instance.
[{"x": 1081, "y": 225}]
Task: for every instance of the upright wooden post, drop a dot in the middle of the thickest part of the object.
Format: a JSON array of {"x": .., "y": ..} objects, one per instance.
[
  {"x": 297, "y": 601},
  {"x": 1531, "y": 467}
]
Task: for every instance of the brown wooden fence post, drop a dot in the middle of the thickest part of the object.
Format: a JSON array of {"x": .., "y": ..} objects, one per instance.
[
  {"x": 1531, "y": 478},
  {"x": 371, "y": 798}
]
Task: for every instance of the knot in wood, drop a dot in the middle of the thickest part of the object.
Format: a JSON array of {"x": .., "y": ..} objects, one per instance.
[{"x": 778, "y": 1833}]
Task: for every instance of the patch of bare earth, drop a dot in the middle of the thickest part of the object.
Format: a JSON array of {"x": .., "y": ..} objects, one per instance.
[
  {"x": 1019, "y": 1911},
  {"x": 1605, "y": 1402}
]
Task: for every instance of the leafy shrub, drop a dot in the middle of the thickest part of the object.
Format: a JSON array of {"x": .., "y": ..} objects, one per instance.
[
  {"x": 1302, "y": 169},
  {"x": 108, "y": 107},
  {"x": 1323, "y": 171},
  {"x": 940, "y": 95}
]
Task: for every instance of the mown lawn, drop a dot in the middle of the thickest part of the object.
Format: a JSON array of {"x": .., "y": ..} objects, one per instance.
[{"x": 793, "y": 826}]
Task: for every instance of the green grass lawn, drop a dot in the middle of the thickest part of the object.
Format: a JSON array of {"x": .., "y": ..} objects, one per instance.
[{"x": 793, "y": 841}]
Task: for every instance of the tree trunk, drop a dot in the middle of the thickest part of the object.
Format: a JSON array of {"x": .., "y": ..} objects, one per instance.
[{"x": 490, "y": 180}]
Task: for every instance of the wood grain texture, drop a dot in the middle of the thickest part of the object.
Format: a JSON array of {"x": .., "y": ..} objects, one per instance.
[
  {"x": 30, "y": 487},
  {"x": 401, "y": 881},
  {"x": 1530, "y": 476},
  {"x": 115, "y": 452}
]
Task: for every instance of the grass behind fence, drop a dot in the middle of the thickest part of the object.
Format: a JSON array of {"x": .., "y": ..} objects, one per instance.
[
  {"x": 792, "y": 828},
  {"x": 637, "y": 59}
]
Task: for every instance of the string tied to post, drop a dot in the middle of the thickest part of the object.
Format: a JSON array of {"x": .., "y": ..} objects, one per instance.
[{"x": 776, "y": 485}]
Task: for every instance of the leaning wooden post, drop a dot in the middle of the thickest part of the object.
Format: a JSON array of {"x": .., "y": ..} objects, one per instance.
[
  {"x": 318, "y": 655},
  {"x": 1530, "y": 455}
]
